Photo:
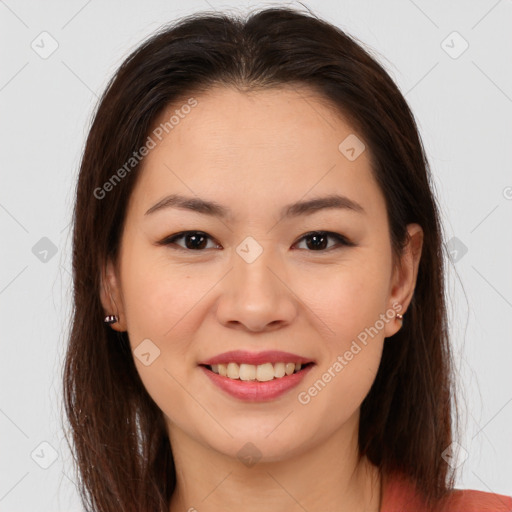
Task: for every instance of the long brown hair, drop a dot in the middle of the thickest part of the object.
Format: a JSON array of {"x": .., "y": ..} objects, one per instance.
[{"x": 119, "y": 440}]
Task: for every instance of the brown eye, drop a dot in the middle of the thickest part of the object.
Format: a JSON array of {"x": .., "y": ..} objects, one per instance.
[
  {"x": 318, "y": 240},
  {"x": 194, "y": 240}
]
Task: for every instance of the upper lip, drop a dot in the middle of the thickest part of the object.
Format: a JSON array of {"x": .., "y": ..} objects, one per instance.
[{"x": 256, "y": 358}]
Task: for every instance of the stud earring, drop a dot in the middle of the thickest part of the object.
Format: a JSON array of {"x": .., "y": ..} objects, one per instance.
[
  {"x": 399, "y": 316},
  {"x": 111, "y": 319}
]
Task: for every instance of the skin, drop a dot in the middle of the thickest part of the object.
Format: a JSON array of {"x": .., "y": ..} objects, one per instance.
[{"x": 255, "y": 153}]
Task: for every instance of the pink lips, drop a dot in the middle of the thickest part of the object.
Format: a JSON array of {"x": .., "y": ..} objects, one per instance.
[{"x": 253, "y": 390}]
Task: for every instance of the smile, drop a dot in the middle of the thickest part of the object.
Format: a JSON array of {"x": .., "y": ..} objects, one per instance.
[
  {"x": 261, "y": 373},
  {"x": 252, "y": 389}
]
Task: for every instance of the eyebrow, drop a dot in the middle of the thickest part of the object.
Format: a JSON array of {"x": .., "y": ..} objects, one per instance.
[{"x": 297, "y": 209}]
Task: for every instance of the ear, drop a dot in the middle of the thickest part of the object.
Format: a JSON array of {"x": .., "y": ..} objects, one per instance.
[
  {"x": 111, "y": 296},
  {"x": 404, "y": 277}
]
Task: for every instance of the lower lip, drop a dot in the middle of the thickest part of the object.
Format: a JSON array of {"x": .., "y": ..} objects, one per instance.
[{"x": 254, "y": 391}]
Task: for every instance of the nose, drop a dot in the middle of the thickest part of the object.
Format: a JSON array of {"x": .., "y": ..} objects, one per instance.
[{"x": 256, "y": 296}]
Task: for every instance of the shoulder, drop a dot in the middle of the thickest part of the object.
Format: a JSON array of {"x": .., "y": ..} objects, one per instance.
[
  {"x": 467, "y": 500},
  {"x": 400, "y": 495}
]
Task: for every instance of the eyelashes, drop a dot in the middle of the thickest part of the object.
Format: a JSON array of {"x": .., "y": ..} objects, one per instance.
[
  {"x": 197, "y": 238},
  {"x": 198, "y": 241},
  {"x": 320, "y": 236}
]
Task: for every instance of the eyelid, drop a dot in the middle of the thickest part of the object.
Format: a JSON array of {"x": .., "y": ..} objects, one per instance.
[
  {"x": 343, "y": 241},
  {"x": 169, "y": 240}
]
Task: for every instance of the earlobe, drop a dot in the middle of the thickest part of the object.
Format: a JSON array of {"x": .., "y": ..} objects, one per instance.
[{"x": 111, "y": 298}]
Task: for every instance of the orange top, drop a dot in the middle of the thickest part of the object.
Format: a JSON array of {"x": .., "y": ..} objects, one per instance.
[{"x": 399, "y": 495}]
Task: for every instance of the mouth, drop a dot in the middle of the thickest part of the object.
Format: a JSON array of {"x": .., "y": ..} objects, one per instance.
[
  {"x": 259, "y": 373},
  {"x": 256, "y": 383}
]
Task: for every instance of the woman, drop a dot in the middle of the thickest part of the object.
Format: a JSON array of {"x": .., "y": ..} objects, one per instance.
[{"x": 259, "y": 316}]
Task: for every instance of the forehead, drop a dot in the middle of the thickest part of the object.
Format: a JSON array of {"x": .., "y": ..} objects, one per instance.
[
  {"x": 274, "y": 145},
  {"x": 280, "y": 117}
]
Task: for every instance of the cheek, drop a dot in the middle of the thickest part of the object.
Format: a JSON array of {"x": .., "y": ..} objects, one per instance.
[
  {"x": 159, "y": 304},
  {"x": 349, "y": 304},
  {"x": 335, "y": 393},
  {"x": 156, "y": 293},
  {"x": 346, "y": 298},
  {"x": 352, "y": 306}
]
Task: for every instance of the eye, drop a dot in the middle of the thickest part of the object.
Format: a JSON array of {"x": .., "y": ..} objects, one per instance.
[
  {"x": 318, "y": 240},
  {"x": 194, "y": 240},
  {"x": 198, "y": 240}
]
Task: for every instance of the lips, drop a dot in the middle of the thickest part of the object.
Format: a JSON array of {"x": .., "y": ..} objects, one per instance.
[
  {"x": 254, "y": 391},
  {"x": 256, "y": 358}
]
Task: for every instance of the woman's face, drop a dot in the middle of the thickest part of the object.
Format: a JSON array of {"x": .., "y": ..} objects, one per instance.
[{"x": 251, "y": 280}]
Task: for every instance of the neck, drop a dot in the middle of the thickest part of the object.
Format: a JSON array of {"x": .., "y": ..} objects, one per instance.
[{"x": 326, "y": 476}]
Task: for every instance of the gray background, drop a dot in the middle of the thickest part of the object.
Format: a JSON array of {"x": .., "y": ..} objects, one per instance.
[{"x": 463, "y": 105}]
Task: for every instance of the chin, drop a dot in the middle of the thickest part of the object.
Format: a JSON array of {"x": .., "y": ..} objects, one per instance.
[{"x": 251, "y": 447}]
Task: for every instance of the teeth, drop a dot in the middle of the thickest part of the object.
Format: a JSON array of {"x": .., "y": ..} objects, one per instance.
[
  {"x": 247, "y": 372},
  {"x": 264, "y": 372},
  {"x": 279, "y": 370},
  {"x": 233, "y": 371},
  {"x": 261, "y": 373}
]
